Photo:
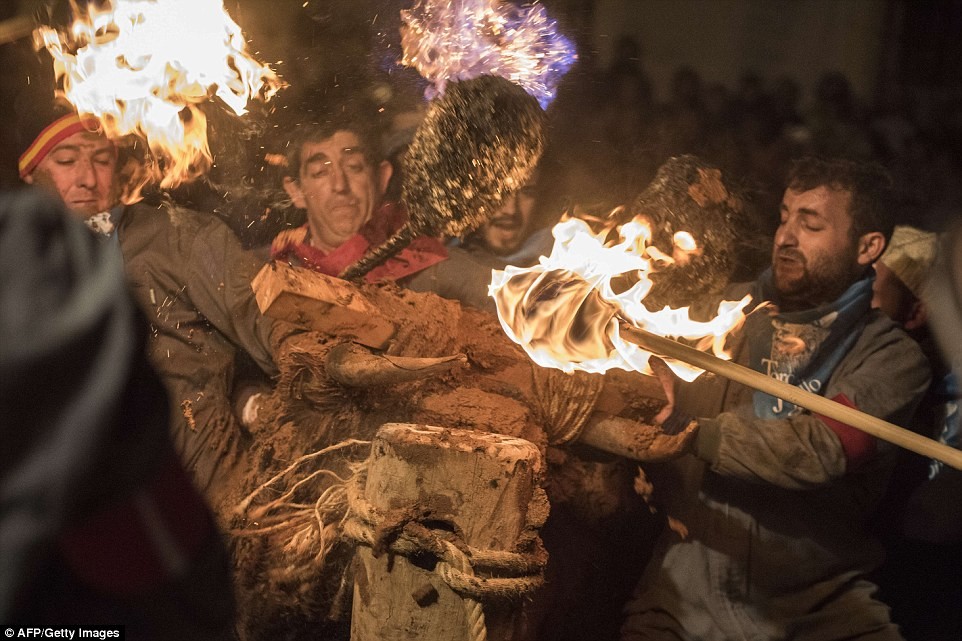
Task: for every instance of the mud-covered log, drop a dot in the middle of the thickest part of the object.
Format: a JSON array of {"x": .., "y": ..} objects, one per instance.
[
  {"x": 432, "y": 327},
  {"x": 292, "y": 565},
  {"x": 458, "y": 490}
]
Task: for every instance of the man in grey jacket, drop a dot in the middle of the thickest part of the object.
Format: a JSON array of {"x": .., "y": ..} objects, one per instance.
[
  {"x": 187, "y": 272},
  {"x": 775, "y": 497}
]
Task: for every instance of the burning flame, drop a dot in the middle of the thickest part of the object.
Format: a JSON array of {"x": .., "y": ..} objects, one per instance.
[
  {"x": 143, "y": 67},
  {"x": 565, "y": 311},
  {"x": 449, "y": 40}
]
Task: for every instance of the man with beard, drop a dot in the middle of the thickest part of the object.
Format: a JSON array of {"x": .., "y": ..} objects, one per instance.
[{"x": 775, "y": 498}]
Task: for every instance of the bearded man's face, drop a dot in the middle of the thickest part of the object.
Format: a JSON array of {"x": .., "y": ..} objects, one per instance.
[{"x": 815, "y": 257}]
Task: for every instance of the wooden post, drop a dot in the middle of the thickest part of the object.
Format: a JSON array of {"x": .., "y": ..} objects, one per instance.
[{"x": 483, "y": 485}]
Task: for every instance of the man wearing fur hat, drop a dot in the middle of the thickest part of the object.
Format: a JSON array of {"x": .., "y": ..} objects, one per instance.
[
  {"x": 187, "y": 272},
  {"x": 901, "y": 273}
]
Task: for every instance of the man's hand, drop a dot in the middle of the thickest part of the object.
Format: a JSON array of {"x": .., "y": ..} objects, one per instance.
[
  {"x": 667, "y": 379},
  {"x": 247, "y": 403},
  {"x": 672, "y": 420}
]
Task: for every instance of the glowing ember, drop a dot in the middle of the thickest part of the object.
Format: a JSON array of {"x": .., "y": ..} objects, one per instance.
[
  {"x": 565, "y": 311},
  {"x": 143, "y": 67},
  {"x": 450, "y": 40}
]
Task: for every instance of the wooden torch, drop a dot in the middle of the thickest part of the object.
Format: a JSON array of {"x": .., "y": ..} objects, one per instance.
[{"x": 819, "y": 404}]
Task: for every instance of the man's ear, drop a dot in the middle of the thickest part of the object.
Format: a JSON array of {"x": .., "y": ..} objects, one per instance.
[
  {"x": 28, "y": 178},
  {"x": 918, "y": 315},
  {"x": 870, "y": 247},
  {"x": 384, "y": 172},
  {"x": 293, "y": 189}
]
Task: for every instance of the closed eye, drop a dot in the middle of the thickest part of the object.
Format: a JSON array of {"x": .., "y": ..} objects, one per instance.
[{"x": 319, "y": 169}]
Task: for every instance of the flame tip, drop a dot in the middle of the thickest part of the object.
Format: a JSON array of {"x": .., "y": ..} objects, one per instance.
[
  {"x": 116, "y": 51},
  {"x": 573, "y": 321}
]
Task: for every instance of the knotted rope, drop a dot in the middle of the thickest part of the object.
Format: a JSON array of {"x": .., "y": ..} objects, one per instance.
[
  {"x": 507, "y": 575},
  {"x": 308, "y": 527}
]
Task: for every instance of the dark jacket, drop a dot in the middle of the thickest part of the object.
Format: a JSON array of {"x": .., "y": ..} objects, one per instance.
[
  {"x": 99, "y": 523},
  {"x": 191, "y": 278}
]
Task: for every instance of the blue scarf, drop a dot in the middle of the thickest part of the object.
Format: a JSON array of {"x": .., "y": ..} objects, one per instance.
[{"x": 803, "y": 348}]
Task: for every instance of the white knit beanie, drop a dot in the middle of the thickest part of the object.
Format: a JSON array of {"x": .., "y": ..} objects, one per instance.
[{"x": 910, "y": 255}]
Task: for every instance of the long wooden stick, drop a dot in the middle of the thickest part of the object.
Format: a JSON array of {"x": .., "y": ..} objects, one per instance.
[
  {"x": 16, "y": 28},
  {"x": 818, "y": 404}
]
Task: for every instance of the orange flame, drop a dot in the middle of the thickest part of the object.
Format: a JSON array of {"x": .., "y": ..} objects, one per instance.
[
  {"x": 565, "y": 311},
  {"x": 143, "y": 66}
]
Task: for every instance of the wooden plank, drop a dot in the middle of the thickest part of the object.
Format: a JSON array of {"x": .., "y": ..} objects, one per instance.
[{"x": 321, "y": 303}]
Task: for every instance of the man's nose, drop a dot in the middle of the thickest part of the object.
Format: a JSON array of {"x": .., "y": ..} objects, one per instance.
[
  {"x": 785, "y": 235},
  {"x": 86, "y": 174},
  {"x": 340, "y": 180},
  {"x": 509, "y": 206}
]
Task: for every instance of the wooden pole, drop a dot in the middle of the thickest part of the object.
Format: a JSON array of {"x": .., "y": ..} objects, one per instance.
[
  {"x": 15, "y": 28},
  {"x": 818, "y": 404},
  {"x": 485, "y": 487}
]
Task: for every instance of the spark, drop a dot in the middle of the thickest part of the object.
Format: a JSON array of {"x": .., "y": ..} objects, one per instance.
[{"x": 456, "y": 40}]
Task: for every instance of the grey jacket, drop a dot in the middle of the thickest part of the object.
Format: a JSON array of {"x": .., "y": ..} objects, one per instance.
[{"x": 776, "y": 547}]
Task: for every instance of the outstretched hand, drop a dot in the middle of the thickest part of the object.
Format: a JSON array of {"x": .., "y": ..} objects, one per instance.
[
  {"x": 667, "y": 379},
  {"x": 671, "y": 420}
]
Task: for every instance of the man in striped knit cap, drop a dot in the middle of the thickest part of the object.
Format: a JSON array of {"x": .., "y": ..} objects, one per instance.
[{"x": 186, "y": 270}]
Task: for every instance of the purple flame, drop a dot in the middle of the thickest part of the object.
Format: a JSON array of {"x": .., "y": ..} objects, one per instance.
[{"x": 461, "y": 39}]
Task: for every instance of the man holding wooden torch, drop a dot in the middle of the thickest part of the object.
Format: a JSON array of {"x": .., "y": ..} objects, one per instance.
[{"x": 775, "y": 498}]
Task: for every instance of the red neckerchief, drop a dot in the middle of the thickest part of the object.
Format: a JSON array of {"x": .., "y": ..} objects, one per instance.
[{"x": 423, "y": 251}]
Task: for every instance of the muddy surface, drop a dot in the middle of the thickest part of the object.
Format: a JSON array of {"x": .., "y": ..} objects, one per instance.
[{"x": 289, "y": 556}]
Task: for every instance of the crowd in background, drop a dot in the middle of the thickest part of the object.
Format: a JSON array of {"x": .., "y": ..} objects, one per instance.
[
  {"x": 619, "y": 125},
  {"x": 611, "y": 127},
  {"x": 610, "y": 130}
]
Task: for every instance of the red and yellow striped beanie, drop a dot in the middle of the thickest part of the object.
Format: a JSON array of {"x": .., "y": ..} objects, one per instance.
[{"x": 50, "y": 136}]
